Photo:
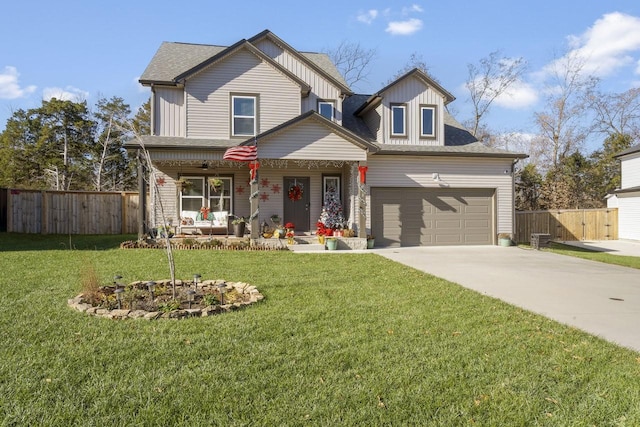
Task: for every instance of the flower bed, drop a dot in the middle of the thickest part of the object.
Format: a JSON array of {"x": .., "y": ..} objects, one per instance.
[{"x": 136, "y": 301}]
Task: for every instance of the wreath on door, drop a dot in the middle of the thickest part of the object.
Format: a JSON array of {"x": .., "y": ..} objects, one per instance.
[{"x": 295, "y": 192}]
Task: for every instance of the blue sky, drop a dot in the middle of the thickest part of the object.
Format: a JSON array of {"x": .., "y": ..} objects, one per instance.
[{"x": 87, "y": 49}]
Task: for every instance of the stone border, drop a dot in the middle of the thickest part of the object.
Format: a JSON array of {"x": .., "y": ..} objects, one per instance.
[{"x": 79, "y": 303}]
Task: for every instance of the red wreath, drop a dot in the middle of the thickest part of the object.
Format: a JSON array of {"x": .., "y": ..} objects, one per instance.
[{"x": 295, "y": 192}]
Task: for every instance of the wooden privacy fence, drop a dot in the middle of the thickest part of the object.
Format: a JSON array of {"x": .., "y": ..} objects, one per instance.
[
  {"x": 70, "y": 212},
  {"x": 568, "y": 224}
]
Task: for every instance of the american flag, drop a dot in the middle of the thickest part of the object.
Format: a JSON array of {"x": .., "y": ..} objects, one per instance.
[{"x": 245, "y": 153}]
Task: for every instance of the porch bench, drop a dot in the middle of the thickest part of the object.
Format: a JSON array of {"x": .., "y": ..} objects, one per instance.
[{"x": 217, "y": 223}]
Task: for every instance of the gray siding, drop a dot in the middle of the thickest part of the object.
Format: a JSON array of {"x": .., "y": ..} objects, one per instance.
[
  {"x": 406, "y": 171},
  {"x": 413, "y": 93},
  {"x": 208, "y": 95},
  {"x": 169, "y": 112},
  {"x": 321, "y": 88},
  {"x": 310, "y": 141}
]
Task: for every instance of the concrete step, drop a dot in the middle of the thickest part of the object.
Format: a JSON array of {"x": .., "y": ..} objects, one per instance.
[{"x": 306, "y": 247}]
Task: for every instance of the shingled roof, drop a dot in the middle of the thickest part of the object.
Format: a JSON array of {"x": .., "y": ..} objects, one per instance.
[{"x": 173, "y": 59}]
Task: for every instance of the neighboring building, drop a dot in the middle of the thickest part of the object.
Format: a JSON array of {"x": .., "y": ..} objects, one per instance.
[
  {"x": 428, "y": 181},
  {"x": 627, "y": 198}
]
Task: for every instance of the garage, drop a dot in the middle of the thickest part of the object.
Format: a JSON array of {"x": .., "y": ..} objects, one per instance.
[{"x": 432, "y": 217}]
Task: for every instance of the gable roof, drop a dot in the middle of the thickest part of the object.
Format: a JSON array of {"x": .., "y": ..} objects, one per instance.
[
  {"x": 375, "y": 99},
  {"x": 216, "y": 55},
  {"x": 458, "y": 141},
  {"x": 174, "y": 61},
  {"x": 315, "y": 116},
  {"x": 319, "y": 62}
]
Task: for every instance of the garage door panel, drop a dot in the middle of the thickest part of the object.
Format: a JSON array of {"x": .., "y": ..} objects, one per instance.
[{"x": 418, "y": 216}]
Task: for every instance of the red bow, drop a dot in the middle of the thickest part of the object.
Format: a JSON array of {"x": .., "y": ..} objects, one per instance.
[
  {"x": 363, "y": 173},
  {"x": 254, "y": 168}
]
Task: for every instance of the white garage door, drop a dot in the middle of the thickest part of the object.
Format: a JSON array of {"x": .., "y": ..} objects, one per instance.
[{"x": 432, "y": 217}]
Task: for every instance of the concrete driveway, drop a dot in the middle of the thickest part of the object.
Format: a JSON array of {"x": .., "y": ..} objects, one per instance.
[{"x": 598, "y": 298}]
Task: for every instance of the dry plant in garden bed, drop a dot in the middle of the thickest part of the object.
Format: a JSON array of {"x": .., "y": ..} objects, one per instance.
[
  {"x": 189, "y": 243},
  {"x": 137, "y": 299}
]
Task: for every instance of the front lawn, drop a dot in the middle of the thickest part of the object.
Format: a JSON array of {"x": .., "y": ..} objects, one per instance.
[
  {"x": 625, "y": 261},
  {"x": 340, "y": 339}
]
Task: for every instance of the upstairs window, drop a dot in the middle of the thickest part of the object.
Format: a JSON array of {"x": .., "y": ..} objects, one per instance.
[
  {"x": 398, "y": 120},
  {"x": 326, "y": 109},
  {"x": 243, "y": 121},
  {"x": 427, "y": 122}
]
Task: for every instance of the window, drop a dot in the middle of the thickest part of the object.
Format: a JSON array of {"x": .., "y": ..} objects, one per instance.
[
  {"x": 243, "y": 122},
  {"x": 200, "y": 191},
  {"x": 325, "y": 108},
  {"x": 427, "y": 122},
  {"x": 331, "y": 183},
  {"x": 398, "y": 120}
]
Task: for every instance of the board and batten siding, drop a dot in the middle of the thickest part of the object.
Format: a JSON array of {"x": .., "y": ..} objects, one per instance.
[
  {"x": 209, "y": 95},
  {"x": 169, "y": 112},
  {"x": 310, "y": 140},
  {"x": 408, "y": 171},
  {"x": 413, "y": 94},
  {"x": 630, "y": 171},
  {"x": 321, "y": 88}
]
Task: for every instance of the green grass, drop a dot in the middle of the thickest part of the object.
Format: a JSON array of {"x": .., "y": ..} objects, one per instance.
[
  {"x": 625, "y": 261},
  {"x": 340, "y": 339}
]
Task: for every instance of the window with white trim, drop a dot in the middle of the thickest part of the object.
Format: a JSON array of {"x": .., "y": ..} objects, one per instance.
[
  {"x": 427, "y": 122},
  {"x": 211, "y": 192},
  {"x": 326, "y": 109},
  {"x": 244, "y": 116},
  {"x": 398, "y": 120}
]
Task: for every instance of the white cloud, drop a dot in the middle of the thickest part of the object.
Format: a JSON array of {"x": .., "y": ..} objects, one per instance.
[
  {"x": 69, "y": 93},
  {"x": 608, "y": 45},
  {"x": 368, "y": 16},
  {"x": 519, "y": 95},
  {"x": 9, "y": 85},
  {"x": 404, "y": 28},
  {"x": 413, "y": 8}
]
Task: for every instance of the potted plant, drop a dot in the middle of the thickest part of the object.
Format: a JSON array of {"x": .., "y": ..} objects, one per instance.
[
  {"x": 239, "y": 224},
  {"x": 183, "y": 184},
  {"x": 332, "y": 243},
  {"x": 216, "y": 184},
  {"x": 371, "y": 241},
  {"x": 504, "y": 239}
]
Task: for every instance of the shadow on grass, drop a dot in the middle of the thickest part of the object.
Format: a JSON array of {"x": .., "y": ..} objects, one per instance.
[{"x": 10, "y": 242}]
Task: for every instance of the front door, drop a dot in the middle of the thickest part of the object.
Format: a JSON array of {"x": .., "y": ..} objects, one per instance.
[{"x": 296, "y": 202}]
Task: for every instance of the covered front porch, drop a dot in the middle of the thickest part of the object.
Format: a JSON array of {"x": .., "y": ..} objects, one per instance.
[{"x": 292, "y": 191}]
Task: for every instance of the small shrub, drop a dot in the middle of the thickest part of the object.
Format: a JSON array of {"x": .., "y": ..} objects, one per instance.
[
  {"x": 168, "y": 306},
  {"x": 209, "y": 299},
  {"x": 90, "y": 283}
]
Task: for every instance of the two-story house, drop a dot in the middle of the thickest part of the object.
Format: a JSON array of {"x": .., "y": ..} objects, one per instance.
[
  {"x": 627, "y": 197},
  {"x": 404, "y": 169}
]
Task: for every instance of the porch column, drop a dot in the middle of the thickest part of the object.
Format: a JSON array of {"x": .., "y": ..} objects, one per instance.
[
  {"x": 254, "y": 219},
  {"x": 362, "y": 199},
  {"x": 142, "y": 196}
]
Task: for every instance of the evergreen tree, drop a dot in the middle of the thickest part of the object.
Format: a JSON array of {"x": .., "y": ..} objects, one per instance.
[{"x": 331, "y": 215}]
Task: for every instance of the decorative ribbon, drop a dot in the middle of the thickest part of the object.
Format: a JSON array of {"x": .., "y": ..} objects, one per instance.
[
  {"x": 363, "y": 173},
  {"x": 254, "y": 215},
  {"x": 254, "y": 166}
]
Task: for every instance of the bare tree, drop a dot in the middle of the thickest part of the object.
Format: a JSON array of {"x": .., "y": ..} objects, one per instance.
[
  {"x": 352, "y": 60},
  {"x": 618, "y": 113},
  {"x": 415, "y": 61},
  {"x": 488, "y": 80},
  {"x": 562, "y": 124}
]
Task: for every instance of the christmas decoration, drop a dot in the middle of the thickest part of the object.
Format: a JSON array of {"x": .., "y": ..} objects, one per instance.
[
  {"x": 331, "y": 216},
  {"x": 264, "y": 197},
  {"x": 295, "y": 192},
  {"x": 239, "y": 189},
  {"x": 264, "y": 182},
  {"x": 160, "y": 181},
  {"x": 275, "y": 188}
]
